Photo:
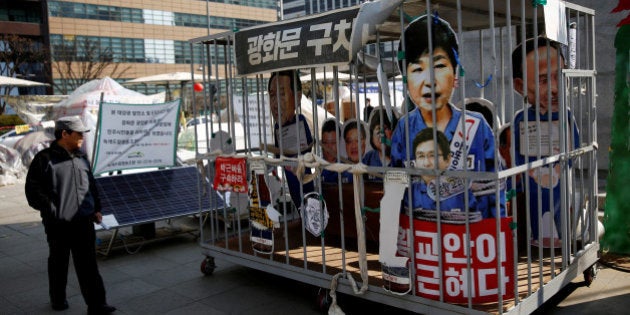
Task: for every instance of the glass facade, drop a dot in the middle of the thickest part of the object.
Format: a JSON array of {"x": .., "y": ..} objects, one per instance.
[
  {"x": 144, "y": 16},
  {"x": 267, "y": 4},
  {"x": 134, "y": 50},
  {"x": 317, "y": 6},
  {"x": 160, "y": 34},
  {"x": 154, "y": 50},
  {"x": 20, "y": 11},
  {"x": 297, "y": 8}
]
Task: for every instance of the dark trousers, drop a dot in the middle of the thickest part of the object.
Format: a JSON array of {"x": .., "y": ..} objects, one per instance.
[{"x": 76, "y": 237}]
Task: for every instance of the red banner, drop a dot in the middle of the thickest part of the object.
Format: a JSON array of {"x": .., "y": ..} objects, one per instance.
[
  {"x": 230, "y": 174},
  {"x": 486, "y": 253}
]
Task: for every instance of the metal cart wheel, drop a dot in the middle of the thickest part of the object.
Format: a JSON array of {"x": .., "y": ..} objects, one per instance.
[
  {"x": 208, "y": 266},
  {"x": 590, "y": 274},
  {"x": 323, "y": 300}
]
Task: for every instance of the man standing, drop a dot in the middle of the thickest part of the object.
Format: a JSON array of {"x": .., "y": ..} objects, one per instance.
[
  {"x": 431, "y": 78},
  {"x": 537, "y": 132},
  {"x": 60, "y": 185},
  {"x": 367, "y": 111}
]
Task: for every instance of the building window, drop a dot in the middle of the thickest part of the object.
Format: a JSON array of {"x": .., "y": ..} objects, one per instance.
[
  {"x": 17, "y": 13},
  {"x": 132, "y": 50},
  {"x": 156, "y": 17},
  {"x": 121, "y": 49},
  {"x": 267, "y": 4}
]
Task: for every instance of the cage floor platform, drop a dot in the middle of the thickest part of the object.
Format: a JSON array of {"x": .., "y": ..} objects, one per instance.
[{"x": 325, "y": 255}]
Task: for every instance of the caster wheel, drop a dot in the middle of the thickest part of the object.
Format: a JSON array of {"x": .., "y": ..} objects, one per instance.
[
  {"x": 208, "y": 266},
  {"x": 590, "y": 274},
  {"x": 323, "y": 300}
]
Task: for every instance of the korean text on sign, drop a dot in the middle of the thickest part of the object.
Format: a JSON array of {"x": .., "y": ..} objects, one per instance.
[
  {"x": 483, "y": 281},
  {"x": 231, "y": 174}
]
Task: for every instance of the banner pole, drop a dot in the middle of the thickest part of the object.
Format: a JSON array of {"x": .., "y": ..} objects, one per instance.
[{"x": 98, "y": 126}]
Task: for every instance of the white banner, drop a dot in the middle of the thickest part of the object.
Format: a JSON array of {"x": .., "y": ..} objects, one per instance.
[
  {"x": 136, "y": 136},
  {"x": 556, "y": 21},
  {"x": 253, "y": 119}
]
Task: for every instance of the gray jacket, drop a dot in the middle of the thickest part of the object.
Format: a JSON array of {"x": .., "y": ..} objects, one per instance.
[{"x": 60, "y": 184}]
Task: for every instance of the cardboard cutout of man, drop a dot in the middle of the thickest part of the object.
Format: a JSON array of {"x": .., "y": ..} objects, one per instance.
[
  {"x": 538, "y": 81},
  {"x": 331, "y": 133},
  {"x": 381, "y": 129},
  {"x": 425, "y": 195},
  {"x": 292, "y": 134}
]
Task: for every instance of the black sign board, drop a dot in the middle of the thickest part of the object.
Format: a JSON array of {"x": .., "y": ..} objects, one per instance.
[{"x": 315, "y": 40}]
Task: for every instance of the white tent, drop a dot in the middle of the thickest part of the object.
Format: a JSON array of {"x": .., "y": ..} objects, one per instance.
[
  {"x": 86, "y": 98},
  {"x": 85, "y": 101}
]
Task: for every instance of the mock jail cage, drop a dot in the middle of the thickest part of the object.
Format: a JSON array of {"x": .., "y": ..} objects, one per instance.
[{"x": 432, "y": 156}]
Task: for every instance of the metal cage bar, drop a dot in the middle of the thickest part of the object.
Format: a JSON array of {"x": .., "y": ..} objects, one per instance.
[{"x": 488, "y": 32}]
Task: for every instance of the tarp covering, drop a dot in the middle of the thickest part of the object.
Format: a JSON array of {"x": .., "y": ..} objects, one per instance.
[
  {"x": 11, "y": 167},
  {"x": 33, "y": 143},
  {"x": 33, "y": 108}
]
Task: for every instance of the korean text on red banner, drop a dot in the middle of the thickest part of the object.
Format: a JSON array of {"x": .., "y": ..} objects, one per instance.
[
  {"x": 230, "y": 174},
  {"x": 486, "y": 253}
]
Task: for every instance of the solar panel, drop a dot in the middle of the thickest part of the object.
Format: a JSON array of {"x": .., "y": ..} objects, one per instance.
[{"x": 156, "y": 195}]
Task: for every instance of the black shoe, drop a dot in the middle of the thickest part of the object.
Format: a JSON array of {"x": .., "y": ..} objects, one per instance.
[
  {"x": 101, "y": 309},
  {"x": 60, "y": 306}
]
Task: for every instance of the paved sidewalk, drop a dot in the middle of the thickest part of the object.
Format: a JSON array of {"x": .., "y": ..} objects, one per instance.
[{"x": 164, "y": 278}]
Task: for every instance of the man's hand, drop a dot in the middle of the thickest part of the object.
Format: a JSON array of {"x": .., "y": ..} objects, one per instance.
[{"x": 98, "y": 217}]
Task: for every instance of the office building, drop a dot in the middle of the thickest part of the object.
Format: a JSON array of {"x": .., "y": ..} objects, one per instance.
[
  {"x": 297, "y": 8},
  {"x": 145, "y": 37}
]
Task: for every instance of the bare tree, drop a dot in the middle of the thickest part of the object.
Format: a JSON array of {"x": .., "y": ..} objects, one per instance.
[
  {"x": 80, "y": 61},
  {"x": 21, "y": 57}
]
